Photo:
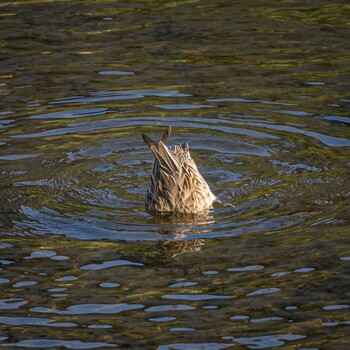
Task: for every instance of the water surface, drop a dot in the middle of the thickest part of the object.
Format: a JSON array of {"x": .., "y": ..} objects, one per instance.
[{"x": 261, "y": 94}]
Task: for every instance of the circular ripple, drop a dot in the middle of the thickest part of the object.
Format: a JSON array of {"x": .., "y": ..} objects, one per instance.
[{"x": 266, "y": 166}]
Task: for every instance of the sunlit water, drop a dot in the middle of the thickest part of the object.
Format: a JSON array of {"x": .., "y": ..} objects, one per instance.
[{"x": 260, "y": 91}]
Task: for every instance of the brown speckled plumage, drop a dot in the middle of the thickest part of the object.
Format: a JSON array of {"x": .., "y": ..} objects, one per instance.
[{"x": 176, "y": 185}]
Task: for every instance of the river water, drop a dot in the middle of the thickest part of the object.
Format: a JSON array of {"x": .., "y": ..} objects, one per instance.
[{"x": 259, "y": 90}]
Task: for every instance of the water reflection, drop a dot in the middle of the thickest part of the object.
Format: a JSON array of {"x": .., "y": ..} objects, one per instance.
[
  {"x": 169, "y": 249},
  {"x": 105, "y": 288}
]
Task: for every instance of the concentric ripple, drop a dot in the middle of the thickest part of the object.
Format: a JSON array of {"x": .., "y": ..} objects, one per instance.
[
  {"x": 259, "y": 90},
  {"x": 90, "y": 183}
]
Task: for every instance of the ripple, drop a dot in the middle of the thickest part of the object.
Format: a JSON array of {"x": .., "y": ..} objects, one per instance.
[
  {"x": 68, "y": 344},
  {"x": 334, "y": 324},
  {"x": 243, "y": 100},
  {"x": 315, "y": 83},
  {"x": 210, "y": 307},
  {"x": 100, "y": 326},
  {"x": 71, "y": 114},
  {"x": 59, "y": 257},
  {"x": 96, "y": 228},
  {"x": 109, "y": 285},
  {"x": 120, "y": 122},
  {"x": 335, "y": 118},
  {"x": 115, "y": 72},
  {"x": 107, "y": 264},
  {"x": 162, "y": 319},
  {"x": 12, "y": 303},
  {"x": 53, "y": 290},
  {"x": 162, "y": 308},
  {"x": 85, "y": 309},
  {"x": 265, "y": 319},
  {"x": 24, "y": 284},
  {"x": 304, "y": 270},
  {"x": 181, "y": 329},
  {"x": 183, "y": 106},
  {"x": 5, "y": 245},
  {"x": 279, "y": 274},
  {"x": 20, "y": 156},
  {"x": 182, "y": 284},
  {"x": 66, "y": 279},
  {"x": 4, "y": 123},
  {"x": 327, "y": 140},
  {"x": 268, "y": 341},
  {"x": 103, "y": 96},
  {"x": 34, "y": 321},
  {"x": 41, "y": 254},
  {"x": 195, "y": 297},
  {"x": 291, "y": 307},
  {"x": 210, "y": 272},
  {"x": 335, "y": 307},
  {"x": 188, "y": 346},
  {"x": 264, "y": 291},
  {"x": 6, "y": 262},
  {"x": 239, "y": 317},
  {"x": 267, "y": 124},
  {"x": 246, "y": 268}
]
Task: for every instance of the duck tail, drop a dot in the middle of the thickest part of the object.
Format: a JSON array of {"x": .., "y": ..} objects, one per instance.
[
  {"x": 166, "y": 135},
  {"x": 162, "y": 153}
]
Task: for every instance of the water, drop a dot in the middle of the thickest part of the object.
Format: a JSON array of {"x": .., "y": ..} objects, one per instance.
[{"x": 261, "y": 94}]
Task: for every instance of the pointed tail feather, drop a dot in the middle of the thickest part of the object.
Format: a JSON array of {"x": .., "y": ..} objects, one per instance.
[
  {"x": 166, "y": 135},
  {"x": 149, "y": 142}
]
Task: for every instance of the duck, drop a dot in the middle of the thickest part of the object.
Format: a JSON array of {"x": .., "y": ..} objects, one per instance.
[{"x": 176, "y": 185}]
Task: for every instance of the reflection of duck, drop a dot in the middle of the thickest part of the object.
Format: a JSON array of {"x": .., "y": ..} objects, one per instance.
[
  {"x": 176, "y": 184},
  {"x": 169, "y": 249}
]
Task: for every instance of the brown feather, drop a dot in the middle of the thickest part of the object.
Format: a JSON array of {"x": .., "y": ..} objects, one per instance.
[{"x": 176, "y": 185}]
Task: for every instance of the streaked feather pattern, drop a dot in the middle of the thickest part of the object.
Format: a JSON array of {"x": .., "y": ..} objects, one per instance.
[{"x": 176, "y": 185}]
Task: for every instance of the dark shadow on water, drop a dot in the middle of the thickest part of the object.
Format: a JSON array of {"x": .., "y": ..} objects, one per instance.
[
  {"x": 181, "y": 224},
  {"x": 202, "y": 218}
]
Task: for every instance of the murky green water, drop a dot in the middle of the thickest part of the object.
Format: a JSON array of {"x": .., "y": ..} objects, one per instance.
[{"x": 260, "y": 91}]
